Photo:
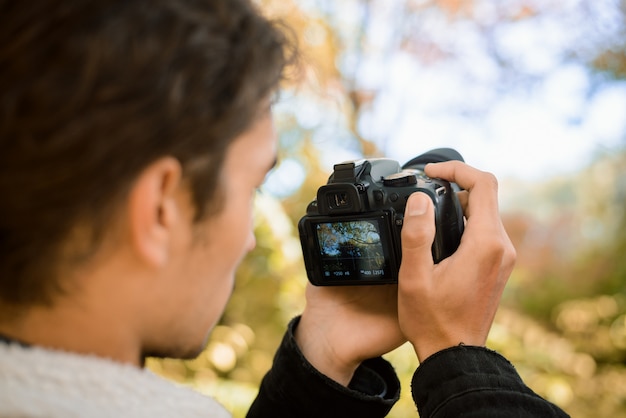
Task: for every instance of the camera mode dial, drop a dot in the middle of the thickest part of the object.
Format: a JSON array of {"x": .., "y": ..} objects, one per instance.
[
  {"x": 406, "y": 177},
  {"x": 403, "y": 178}
]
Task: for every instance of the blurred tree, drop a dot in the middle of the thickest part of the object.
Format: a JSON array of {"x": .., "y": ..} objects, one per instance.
[{"x": 572, "y": 243}]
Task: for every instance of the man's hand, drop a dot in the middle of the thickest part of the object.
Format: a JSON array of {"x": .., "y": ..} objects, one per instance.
[
  {"x": 455, "y": 301},
  {"x": 342, "y": 326},
  {"x": 433, "y": 306}
]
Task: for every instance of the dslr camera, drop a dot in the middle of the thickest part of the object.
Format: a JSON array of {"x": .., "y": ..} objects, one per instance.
[{"x": 350, "y": 234}]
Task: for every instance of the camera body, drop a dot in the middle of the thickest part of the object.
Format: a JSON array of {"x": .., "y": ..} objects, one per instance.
[{"x": 350, "y": 234}]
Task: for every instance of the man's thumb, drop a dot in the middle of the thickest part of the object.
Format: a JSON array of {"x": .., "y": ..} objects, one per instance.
[{"x": 418, "y": 230}]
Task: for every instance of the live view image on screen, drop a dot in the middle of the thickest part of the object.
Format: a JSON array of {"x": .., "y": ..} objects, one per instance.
[{"x": 351, "y": 250}]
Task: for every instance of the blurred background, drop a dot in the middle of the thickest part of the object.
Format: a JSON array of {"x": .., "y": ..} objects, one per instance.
[{"x": 531, "y": 90}]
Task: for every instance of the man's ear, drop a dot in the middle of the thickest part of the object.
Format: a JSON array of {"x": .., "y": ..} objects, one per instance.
[{"x": 153, "y": 210}]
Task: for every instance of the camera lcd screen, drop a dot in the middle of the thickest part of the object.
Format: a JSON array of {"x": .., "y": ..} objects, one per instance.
[{"x": 352, "y": 250}]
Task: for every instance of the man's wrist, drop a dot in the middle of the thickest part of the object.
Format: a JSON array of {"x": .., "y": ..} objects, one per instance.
[{"x": 322, "y": 354}]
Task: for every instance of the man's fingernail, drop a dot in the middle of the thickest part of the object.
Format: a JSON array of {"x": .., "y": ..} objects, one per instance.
[{"x": 417, "y": 205}]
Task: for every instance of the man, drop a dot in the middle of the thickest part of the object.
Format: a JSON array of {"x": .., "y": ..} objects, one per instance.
[{"x": 134, "y": 135}]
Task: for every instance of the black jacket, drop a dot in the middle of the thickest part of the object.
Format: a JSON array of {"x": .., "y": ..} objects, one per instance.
[{"x": 461, "y": 381}]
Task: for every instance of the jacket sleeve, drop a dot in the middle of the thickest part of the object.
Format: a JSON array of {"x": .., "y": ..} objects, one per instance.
[
  {"x": 466, "y": 381},
  {"x": 294, "y": 388}
]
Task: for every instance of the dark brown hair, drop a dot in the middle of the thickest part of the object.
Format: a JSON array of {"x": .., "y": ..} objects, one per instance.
[{"x": 94, "y": 91}]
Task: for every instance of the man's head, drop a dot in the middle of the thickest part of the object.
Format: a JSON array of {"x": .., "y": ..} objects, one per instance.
[
  {"x": 96, "y": 94},
  {"x": 92, "y": 92}
]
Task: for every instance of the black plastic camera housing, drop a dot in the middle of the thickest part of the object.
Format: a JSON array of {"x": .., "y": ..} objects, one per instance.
[{"x": 350, "y": 234}]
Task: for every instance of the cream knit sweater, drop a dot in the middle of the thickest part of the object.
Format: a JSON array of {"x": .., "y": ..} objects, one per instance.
[{"x": 36, "y": 382}]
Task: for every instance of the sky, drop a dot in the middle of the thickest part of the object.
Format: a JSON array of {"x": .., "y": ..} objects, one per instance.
[{"x": 554, "y": 129}]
